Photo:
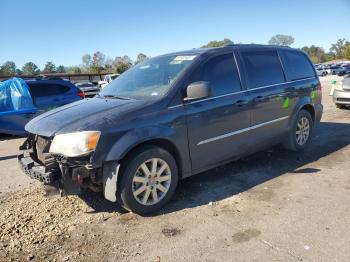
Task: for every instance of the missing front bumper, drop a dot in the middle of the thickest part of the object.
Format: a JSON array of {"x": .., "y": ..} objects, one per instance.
[{"x": 36, "y": 171}]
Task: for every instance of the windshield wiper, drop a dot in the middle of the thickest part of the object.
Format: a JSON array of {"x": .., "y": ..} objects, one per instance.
[{"x": 114, "y": 96}]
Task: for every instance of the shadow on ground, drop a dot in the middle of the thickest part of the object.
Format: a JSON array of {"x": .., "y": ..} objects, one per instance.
[
  {"x": 7, "y": 157},
  {"x": 241, "y": 175}
]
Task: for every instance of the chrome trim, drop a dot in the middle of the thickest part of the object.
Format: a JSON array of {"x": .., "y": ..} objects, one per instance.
[
  {"x": 242, "y": 91},
  {"x": 241, "y": 131},
  {"x": 175, "y": 106}
]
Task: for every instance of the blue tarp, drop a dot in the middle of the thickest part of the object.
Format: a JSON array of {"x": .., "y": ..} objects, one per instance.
[{"x": 15, "y": 97}]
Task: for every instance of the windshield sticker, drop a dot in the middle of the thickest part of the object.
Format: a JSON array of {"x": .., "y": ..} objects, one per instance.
[
  {"x": 184, "y": 58},
  {"x": 145, "y": 67},
  {"x": 176, "y": 62},
  {"x": 154, "y": 94}
]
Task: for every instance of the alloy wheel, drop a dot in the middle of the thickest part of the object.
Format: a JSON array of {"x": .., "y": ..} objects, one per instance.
[
  {"x": 303, "y": 131},
  {"x": 151, "y": 181}
]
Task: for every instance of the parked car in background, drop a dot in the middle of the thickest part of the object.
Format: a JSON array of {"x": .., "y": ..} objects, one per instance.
[
  {"x": 341, "y": 94},
  {"x": 321, "y": 72},
  {"x": 88, "y": 88},
  {"x": 174, "y": 116},
  {"x": 343, "y": 70},
  {"x": 44, "y": 94},
  {"x": 107, "y": 79},
  {"x": 334, "y": 69}
]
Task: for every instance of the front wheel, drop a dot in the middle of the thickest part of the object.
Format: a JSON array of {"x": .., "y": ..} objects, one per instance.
[
  {"x": 300, "y": 133},
  {"x": 149, "y": 178}
]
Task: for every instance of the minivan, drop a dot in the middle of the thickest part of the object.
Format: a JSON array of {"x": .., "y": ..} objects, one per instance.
[{"x": 174, "y": 116}]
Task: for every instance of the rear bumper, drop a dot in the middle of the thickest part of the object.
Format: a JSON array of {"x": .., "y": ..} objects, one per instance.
[
  {"x": 36, "y": 171},
  {"x": 341, "y": 97}
]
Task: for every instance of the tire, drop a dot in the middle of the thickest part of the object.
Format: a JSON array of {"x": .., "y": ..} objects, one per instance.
[
  {"x": 292, "y": 142},
  {"x": 136, "y": 185}
]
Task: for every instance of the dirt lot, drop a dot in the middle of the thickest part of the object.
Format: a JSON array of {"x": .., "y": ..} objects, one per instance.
[{"x": 273, "y": 206}]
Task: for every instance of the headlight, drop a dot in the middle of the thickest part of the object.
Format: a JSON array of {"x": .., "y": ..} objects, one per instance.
[{"x": 75, "y": 144}]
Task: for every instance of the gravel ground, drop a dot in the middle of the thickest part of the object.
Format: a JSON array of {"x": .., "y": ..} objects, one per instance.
[{"x": 272, "y": 206}]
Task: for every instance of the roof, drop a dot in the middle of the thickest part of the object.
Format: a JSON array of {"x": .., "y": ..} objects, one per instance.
[{"x": 198, "y": 51}]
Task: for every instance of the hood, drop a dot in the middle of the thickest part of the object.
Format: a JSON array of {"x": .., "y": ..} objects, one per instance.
[{"x": 83, "y": 115}]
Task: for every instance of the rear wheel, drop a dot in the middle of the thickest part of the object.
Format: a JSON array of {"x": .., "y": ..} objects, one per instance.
[
  {"x": 148, "y": 180},
  {"x": 300, "y": 134}
]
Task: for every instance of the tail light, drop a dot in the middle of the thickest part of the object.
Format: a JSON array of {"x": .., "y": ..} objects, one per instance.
[{"x": 81, "y": 94}]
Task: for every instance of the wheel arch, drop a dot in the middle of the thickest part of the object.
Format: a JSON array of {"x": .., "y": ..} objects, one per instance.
[
  {"x": 163, "y": 143},
  {"x": 303, "y": 104}
]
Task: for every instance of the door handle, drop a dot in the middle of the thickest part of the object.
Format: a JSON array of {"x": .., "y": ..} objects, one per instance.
[
  {"x": 259, "y": 99},
  {"x": 241, "y": 102},
  {"x": 28, "y": 115}
]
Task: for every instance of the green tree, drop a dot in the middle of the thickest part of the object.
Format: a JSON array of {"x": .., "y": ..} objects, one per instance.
[
  {"x": 316, "y": 53},
  {"x": 347, "y": 51},
  {"x": 140, "y": 57},
  {"x": 8, "y": 68},
  {"x": 87, "y": 61},
  {"x": 30, "y": 68},
  {"x": 98, "y": 62},
  {"x": 60, "y": 69},
  {"x": 280, "y": 39},
  {"x": 220, "y": 43},
  {"x": 121, "y": 64},
  {"x": 49, "y": 67},
  {"x": 73, "y": 70},
  {"x": 338, "y": 48}
]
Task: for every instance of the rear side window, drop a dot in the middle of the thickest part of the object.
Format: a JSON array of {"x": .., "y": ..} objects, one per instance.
[
  {"x": 40, "y": 90},
  {"x": 296, "y": 65},
  {"x": 221, "y": 73},
  {"x": 262, "y": 68}
]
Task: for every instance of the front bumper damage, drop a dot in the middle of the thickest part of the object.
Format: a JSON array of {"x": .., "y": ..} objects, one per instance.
[{"x": 68, "y": 175}]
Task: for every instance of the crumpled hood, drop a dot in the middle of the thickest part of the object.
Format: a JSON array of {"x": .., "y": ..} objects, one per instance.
[{"x": 87, "y": 114}]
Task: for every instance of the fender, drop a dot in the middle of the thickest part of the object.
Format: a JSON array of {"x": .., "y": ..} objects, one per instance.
[
  {"x": 306, "y": 100},
  {"x": 136, "y": 137}
]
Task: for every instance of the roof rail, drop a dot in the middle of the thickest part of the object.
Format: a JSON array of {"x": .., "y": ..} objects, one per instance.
[{"x": 262, "y": 45}]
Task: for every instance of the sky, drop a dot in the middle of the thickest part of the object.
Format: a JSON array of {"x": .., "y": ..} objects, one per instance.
[{"x": 63, "y": 31}]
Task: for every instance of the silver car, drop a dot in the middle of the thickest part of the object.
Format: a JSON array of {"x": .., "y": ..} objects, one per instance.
[{"x": 341, "y": 94}]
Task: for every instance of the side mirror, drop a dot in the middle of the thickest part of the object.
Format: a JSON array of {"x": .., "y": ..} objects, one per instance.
[{"x": 198, "y": 90}]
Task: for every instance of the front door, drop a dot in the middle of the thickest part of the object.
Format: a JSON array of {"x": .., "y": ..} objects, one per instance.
[{"x": 218, "y": 126}]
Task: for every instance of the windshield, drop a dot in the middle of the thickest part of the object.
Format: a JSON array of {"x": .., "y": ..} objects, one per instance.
[{"x": 150, "y": 79}]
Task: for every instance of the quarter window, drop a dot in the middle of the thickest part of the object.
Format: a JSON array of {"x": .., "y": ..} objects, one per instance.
[
  {"x": 262, "y": 68},
  {"x": 297, "y": 65},
  {"x": 221, "y": 73},
  {"x": 40, "y": 90}
]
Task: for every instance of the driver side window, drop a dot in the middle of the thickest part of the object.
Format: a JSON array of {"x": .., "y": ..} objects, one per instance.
[{"x": 221, "y": 73}]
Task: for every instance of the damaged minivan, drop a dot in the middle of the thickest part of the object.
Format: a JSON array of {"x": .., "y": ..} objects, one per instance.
[{"x": 174, "y": 116}]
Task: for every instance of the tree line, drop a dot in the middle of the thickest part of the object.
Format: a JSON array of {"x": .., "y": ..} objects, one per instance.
[
  {"x": 338, "y": 50},
  {"x": 96, "y": 63},
  {"x": 100, "y": 63}
]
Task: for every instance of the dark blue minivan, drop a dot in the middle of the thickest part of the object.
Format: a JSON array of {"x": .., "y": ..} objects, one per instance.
[{"x": 174, "y": 116}]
